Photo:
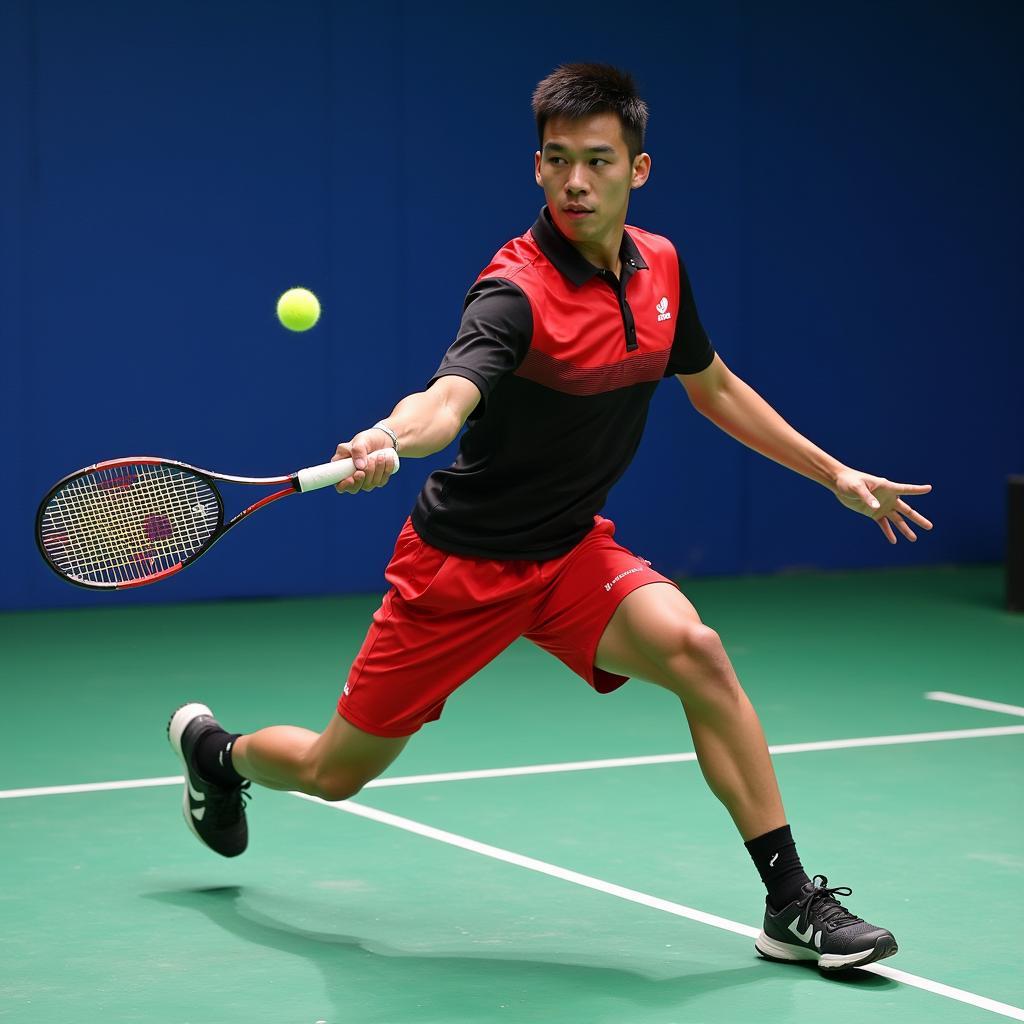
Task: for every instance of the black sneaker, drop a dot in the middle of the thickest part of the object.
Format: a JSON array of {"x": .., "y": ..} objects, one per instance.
[
  {"x": 818, "y": 927},
  {"x": 215, "y": 814}
]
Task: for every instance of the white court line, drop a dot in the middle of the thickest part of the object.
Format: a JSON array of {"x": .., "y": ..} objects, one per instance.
[
  {"x": 633, "y": 896},
  {"x": 566, "y": 766},
  {"x": 93, "y": 787},
  {"x": 975, "y": 702},
  {"x": 631, "y": 762}
]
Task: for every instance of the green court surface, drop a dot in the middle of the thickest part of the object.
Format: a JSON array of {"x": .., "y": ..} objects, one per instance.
[{"x": 573, "y": 893}]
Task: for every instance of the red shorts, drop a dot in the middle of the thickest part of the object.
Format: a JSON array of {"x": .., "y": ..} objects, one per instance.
[{"x": 446, "y": 616}]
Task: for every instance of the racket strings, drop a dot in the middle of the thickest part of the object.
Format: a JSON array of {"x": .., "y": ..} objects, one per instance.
[{"x": 128, "y": 522}]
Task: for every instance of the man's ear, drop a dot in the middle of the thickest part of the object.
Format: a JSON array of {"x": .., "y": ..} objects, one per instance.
[
  {"x": 536, "y": 168},
  {"x": 641, "y": 170}
]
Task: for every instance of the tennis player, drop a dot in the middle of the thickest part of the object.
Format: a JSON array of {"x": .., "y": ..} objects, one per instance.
[{"x": 564, "y": 338}]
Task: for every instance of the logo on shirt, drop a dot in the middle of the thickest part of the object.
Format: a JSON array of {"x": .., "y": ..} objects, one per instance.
[{"x": 662, "y": 308}]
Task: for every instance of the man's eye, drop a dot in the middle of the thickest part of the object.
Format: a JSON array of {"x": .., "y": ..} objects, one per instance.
[{"x": 597, "y": 160}]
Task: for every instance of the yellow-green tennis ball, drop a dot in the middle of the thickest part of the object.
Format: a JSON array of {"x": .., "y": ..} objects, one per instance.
[{"x": 298, "y": 309}]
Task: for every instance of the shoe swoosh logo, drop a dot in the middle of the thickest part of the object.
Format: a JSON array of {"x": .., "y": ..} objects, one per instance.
[
  {"x": 802, "y": 936},
  {"x": 192, "y": 793}
]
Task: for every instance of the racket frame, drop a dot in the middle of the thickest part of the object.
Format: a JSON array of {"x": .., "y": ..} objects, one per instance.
[{"x": 208, "y": 475}]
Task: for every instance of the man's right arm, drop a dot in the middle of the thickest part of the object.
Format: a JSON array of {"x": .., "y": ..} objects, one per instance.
[
  {"x": 495, "y": 332},
  {"x": 430, "y": 420},
  {"x": 424, "y": 423}
]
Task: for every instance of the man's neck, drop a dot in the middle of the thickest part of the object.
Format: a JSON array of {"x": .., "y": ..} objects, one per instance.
[{"x": 604, "y": 254}]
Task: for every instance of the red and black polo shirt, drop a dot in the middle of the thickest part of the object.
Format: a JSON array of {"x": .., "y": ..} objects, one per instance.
[{"x": 566, "y": 358}]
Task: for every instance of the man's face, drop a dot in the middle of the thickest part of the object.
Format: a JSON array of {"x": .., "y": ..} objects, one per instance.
[{"x": 587, "y": 175}]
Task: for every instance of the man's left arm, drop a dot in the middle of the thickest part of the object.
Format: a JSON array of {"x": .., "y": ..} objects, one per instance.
[{"x": 736, "y": 408}]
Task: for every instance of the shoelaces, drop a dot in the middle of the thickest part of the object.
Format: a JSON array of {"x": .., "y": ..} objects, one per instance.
[
  {"x": 822, "y": 901},
  {"x": 228, "y": 806}
]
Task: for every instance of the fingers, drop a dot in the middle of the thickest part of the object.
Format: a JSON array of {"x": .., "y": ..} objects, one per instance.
[
  {"x": 377, "y": 470},
  {"x": 914, "y": 517},
  {"x": 367, "y": 475},
  {"x": 357, "y": 451},
  {"x": 883, "y": 525},
  {"x": 865, "y": 495},
  {"x": 854, "y": 488},
  {"x": 909, "y": 488},
  {"x": 886, "y": 523},
  {"x": 350, "y": 485},
  {"x": 901, "y": 524}
]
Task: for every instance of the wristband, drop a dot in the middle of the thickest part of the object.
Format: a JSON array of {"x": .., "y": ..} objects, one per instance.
[{"x": 387, "y": 430}]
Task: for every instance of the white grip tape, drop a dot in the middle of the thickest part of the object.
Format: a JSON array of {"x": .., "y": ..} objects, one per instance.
[{"x": 334, "y": 472}]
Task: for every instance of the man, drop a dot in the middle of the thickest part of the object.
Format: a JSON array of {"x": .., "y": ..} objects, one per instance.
[{"x": 564, "y": 338}]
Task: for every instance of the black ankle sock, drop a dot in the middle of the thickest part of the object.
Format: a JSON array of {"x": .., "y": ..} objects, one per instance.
[
  {"x": 213, "y": 758},
  {"x": 775, "y": 857}
]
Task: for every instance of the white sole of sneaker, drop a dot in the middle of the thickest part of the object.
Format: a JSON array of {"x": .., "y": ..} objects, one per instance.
[
  {"x": 177, "y": 725},
  {"x": 179, "y": 722},
  {"x": 772, "y": 949}
]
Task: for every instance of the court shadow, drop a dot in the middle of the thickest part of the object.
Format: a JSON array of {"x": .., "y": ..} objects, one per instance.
[{"x": 410, "y": 986}]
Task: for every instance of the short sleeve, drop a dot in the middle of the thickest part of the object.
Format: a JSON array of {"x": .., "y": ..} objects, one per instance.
[
  {"x": 493, "y": 338},
  {"x": 691, "y": 349}
]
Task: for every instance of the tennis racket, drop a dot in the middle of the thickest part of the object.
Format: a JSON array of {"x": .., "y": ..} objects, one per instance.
[{"x": 128, "y": 522}]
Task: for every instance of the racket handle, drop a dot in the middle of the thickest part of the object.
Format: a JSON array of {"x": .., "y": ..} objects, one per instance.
[{"x": 331, "y": 473}]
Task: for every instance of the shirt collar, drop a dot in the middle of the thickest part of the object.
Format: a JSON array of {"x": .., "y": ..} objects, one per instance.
[{"x": 569, "y": 261}]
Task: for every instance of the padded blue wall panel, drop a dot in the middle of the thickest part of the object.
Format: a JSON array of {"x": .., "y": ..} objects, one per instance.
[
  {"x": 843, "y": 184},
  {"x": 17, "y": 167},
  {"x": 882, "y": 265}
]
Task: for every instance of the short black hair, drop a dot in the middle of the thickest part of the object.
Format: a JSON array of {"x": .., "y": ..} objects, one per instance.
[{"x": 576, "y": 91}]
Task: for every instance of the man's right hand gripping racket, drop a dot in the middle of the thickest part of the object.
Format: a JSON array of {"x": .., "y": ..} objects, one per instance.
[{"x": 128, "y": 522}]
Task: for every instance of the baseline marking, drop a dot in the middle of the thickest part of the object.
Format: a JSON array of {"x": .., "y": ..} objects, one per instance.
[
  {"x": 633, "y": 896},
  {"x": 567, "y": 766},
  {"x": 975, "y": 702}
]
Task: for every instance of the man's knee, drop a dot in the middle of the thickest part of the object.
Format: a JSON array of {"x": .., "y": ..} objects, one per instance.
[
  {"x": 695, "y": 660},
  {"x": 694, "y": 642},
  {"x": 332, "y": 781},
  {"x": 345, "y": 759},
  {"x": 334, "y": 785}
]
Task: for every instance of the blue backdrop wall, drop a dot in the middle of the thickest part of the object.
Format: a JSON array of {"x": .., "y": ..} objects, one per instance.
[{"x": 843, "y": 181}]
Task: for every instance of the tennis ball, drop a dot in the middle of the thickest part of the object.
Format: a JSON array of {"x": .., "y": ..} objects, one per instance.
[{"x": 298, "y": 309}]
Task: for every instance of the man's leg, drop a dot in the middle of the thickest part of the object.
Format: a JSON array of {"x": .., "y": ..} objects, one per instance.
[
  {"x": 333, "y": 765},
  {"x": 656, "y": 634},
  {"x": 219, "y": 767},
  {"x": 443, "y": 619}
]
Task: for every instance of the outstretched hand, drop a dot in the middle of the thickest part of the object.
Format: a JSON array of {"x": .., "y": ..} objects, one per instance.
[{"x": 881, "y": 500}]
